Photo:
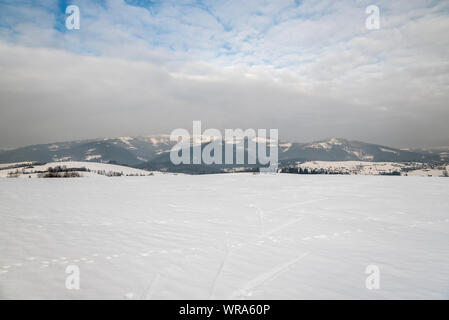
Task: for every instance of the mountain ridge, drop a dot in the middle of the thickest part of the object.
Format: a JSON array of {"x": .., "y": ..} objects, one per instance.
[{"x": 144, "y": 151}]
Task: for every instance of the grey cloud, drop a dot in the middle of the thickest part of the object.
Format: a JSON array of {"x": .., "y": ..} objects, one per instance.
[
  {"x": 311, "y": 76},
  {"x": 61, "y": 96}
]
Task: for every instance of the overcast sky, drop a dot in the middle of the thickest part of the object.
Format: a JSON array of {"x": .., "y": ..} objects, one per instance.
[{"x": 309, "y": 68}]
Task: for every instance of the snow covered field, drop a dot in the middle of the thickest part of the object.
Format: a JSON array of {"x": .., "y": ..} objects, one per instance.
[
  {"x": 375, "y": 168},
  {"x": 239, "y": 236}
]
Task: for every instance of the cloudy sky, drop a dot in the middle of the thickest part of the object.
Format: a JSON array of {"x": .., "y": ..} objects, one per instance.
[{"x": 309, "y": 68}]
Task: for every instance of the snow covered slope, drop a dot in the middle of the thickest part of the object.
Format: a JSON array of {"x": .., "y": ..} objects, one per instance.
[
  {"x": 152, "y": 152},
  {"x": 348, "y": 150},
  {"x": 122, "y": 150},
  {"x": 96, "y": 169},
  {"x": 237, "y": 236},
  {"x": 376, "y": 168}
]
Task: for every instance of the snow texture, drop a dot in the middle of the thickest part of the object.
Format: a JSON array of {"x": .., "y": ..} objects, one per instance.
[{"x": 235, "y": 236}]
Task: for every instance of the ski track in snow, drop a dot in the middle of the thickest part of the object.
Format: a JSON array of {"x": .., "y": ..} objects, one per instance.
[
  {"x": 109, "y": 257},
  {"x": 173, "y": 248},
  {"x": 271, "y": 274}
]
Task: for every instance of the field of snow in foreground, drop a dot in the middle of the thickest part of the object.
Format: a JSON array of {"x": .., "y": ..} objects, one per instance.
[{"x": 236, "y": 236}]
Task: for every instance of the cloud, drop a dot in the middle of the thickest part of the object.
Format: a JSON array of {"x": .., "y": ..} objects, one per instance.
[{"x": 309, "y": 68}]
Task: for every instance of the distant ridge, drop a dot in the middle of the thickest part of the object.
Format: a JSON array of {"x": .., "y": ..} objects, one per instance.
[{"x": 152, "y": 152}]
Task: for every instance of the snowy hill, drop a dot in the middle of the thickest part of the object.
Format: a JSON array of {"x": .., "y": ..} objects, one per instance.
[
  {"x": 291, "y": 152},
  {"x": 122, "y": 150},
  {"x": 372, "y": 168},
  {"x": 152, "y": 152},
  {"x": 347, "y": 150},
  {"x": 85, "y": 169}
]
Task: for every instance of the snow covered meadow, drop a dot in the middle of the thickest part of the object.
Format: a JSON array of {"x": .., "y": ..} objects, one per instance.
[{"x": 234, "y": 236}]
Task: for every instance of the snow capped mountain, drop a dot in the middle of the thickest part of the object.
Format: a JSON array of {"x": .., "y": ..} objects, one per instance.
[
  {"x": 122, "y": 150},
  {"x": 152, "y": 152},
  {"x": 346, "y": 150}
]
